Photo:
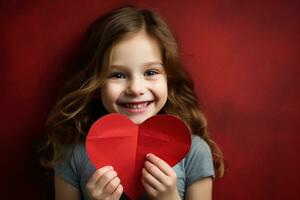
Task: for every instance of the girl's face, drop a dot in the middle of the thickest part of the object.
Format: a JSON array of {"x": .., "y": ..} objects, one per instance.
[{"x": 136, "y": 84}]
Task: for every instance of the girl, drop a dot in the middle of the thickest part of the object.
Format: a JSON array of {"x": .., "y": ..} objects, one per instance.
[{"x": 130, "y": 65}]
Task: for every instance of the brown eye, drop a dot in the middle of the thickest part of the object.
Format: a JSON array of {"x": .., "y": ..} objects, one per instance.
[
  {"x": 117, "y": 75},
  {"x": 151, "y": 73}
]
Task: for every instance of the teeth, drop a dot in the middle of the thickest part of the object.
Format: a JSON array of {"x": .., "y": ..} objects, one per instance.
[{"x": 136, "y": 106}]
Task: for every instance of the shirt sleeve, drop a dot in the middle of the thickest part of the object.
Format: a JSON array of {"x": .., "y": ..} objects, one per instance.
[
  {"x": 198, "y": 163},
  {"x": 67, "y": 168}
]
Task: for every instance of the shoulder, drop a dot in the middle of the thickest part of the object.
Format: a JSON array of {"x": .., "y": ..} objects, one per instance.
[
  {"x": 199, "y": 148},
  {"x": 197, "y": 140},
  {"x": 75, "y": 165},
  {"x": 199, "y": 162},
  {"x": 73, "y": 156},
  {"x": 73, "y": 153}
]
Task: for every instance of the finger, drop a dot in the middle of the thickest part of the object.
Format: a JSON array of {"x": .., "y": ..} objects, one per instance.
[
  {"x": 112, "y": 185},
  {"x": 117, "y": 193},
  {"x": 156, "y": 172},
  {"x": 105, "y": 179},
  {"x": 161, "y": 164},
  {"x": 149, "y": 189},
  {"x": 97, "y": 174},
  {"x": 150, "y": 180}
]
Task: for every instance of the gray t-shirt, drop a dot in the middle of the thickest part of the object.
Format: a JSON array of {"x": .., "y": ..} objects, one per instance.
[{"x": 76, "y": 168}]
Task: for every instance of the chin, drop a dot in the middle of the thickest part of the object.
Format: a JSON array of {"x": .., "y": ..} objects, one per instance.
[{"x": 138, "y": 120}]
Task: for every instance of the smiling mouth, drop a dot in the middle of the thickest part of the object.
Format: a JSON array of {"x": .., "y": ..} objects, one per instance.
[{"x": 136, "y": 105}]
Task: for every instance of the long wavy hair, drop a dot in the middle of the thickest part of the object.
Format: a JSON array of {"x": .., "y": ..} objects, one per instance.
[{"x": 80, "y": 103}]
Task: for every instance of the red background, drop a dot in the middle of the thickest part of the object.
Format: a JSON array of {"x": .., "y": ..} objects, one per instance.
[{"x": 243, "y": 56}]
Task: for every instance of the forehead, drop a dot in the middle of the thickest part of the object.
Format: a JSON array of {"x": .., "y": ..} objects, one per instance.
[{"x": 136, "y": 49}]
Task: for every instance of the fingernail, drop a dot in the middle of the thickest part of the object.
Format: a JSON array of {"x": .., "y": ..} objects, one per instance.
[{"x": 120, "y": 188}]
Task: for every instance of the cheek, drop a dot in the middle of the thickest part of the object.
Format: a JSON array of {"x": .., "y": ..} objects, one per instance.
[
  {"x": 109, "y": 94},
  {"x": 161, "y": 89}
]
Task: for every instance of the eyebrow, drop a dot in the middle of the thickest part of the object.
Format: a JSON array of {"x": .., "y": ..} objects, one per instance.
[{"x": 144, "y": 64}]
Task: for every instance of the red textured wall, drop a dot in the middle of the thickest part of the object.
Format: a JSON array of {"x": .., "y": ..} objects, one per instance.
[{"x": 243, "y": 56}]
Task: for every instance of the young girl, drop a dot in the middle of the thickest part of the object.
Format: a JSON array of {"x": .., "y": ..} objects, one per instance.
[{"x": 130, "y": 65}]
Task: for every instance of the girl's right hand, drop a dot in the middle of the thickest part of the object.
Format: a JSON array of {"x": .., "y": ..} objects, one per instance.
[{"x": 104, "y": 184}]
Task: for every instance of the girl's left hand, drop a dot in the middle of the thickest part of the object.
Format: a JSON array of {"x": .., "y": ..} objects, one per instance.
[{"x": 159, "y": 179}]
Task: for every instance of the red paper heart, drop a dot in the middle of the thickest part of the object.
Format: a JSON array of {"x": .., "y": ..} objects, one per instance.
[{"x": 115, "y": 140}]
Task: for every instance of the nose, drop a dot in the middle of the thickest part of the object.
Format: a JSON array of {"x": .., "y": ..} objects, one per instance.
[{"x": 135, "y": 87}]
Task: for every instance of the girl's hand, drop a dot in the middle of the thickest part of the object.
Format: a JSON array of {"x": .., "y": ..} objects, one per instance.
[
  {"x": 159, "y": 179},
  {"x": 104, "y": 184}
]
